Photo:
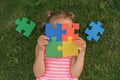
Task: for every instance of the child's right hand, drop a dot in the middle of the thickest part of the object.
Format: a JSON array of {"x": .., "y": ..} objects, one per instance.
[{"x": 42, "y": 42}]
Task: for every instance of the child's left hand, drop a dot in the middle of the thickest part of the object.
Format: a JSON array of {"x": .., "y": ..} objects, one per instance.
[{"x": 81, "y": 44}]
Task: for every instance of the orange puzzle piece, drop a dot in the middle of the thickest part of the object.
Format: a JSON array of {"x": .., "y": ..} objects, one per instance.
[{"x": 70, "y": 31}]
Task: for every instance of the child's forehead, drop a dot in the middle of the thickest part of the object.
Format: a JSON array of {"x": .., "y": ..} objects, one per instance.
[{"x": 62, "y": 21}]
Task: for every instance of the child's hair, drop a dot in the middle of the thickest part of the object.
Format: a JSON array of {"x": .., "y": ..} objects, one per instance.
[{"x": 52, "y": 15}]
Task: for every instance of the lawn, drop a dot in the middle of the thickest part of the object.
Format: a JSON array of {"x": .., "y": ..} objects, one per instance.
[{"x": 102, "y": 60}]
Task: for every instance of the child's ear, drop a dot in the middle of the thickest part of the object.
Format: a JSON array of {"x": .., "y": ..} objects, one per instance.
[
  {"x": 71, "y": 15},
  {"x": 49, "y": 13}
]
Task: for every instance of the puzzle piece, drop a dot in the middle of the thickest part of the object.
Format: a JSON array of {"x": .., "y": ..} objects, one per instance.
[
  {"x": 24, "y": 26},
  {"x": 70, "y": 31},
  {"x": 57, "y": 31},
  {"x": 69, "y": 48},
  {"x": 51, "y": 48},
  {"x": 93, "y": 33}
]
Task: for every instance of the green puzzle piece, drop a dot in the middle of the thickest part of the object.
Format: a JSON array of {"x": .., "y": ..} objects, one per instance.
[
  {"x": 52, "y": 48},
  {"x": 23, "y": 25}
]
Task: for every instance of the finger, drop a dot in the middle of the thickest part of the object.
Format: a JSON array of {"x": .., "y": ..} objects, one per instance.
[
  {"x": 43, "y": 38},
  {"x": 79, "y": 38},
  {"x": 43, "y": 42},
  {"x": 79, "y": 42}
]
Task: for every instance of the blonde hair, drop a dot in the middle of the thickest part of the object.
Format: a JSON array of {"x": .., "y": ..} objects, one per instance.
[{"x": 52, "y": 15}]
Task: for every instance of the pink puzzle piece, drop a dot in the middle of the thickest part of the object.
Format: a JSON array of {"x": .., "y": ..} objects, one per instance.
[{"x": 70, "y": 31}]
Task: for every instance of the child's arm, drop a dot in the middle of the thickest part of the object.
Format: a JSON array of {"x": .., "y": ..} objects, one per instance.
[
  {"x": 39, "y": 66},
  {"x": 78, "y": 62}
]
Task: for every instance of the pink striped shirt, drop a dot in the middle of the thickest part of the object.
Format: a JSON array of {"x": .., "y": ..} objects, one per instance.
[{"x": 57, "y": 69}]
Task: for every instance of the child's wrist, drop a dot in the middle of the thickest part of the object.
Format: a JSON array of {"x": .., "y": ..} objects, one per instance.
[
  {"x": 81, "y": 52},
  {"x": 40, "y": 55},
  {"x": 41, "y": 51}
]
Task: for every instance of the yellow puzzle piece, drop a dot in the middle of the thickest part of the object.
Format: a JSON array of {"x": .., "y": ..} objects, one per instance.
[{"x": 69, "y": 48}]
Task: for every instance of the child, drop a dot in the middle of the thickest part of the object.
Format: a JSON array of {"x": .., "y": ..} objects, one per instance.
[{"x": 66, "y": 68}]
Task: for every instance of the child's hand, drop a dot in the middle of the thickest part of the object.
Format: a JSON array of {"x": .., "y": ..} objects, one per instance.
[
  {"x": 81, "y": 44},
  {"x": 42, "y": 42}
]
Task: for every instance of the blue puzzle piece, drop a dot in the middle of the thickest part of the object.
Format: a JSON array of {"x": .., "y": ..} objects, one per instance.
[
  {"x": 93, "y": 33},
  {"x": 56, "y": 32}
]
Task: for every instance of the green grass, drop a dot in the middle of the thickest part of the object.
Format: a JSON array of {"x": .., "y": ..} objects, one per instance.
[{"x": 102, "y": 60}]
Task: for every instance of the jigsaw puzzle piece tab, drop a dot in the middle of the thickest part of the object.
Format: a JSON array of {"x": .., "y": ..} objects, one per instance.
[
  {"x": 24, "y": 26},
  {"x": 51, "y": 48},
  {"x": 96, "y": 29},
  {"x": 70, "y": 31},
  {"x": 98, "y": 25},
  {"x": 68, "y": 48},
  {"x": 57, "y": 31}
]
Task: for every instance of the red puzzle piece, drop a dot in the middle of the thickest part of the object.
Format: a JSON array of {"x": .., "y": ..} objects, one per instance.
[{"x": 70, "y": 31}]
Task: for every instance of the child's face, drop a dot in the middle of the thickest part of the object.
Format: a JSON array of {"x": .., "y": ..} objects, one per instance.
[{"x": 62, "y": 21}]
